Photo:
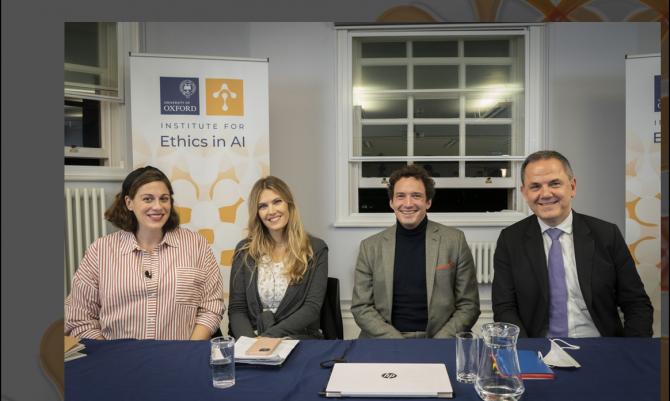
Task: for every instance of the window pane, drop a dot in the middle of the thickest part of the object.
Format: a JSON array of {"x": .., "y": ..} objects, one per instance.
[
  {"x": 435, "y": 76},
  {"x": 82, "y": 123},
  {"x": 435, "y": 49},
  {"x": 82, "y": 78},
  {"x": 446, "y": 200},
  {"x": 488, "y": 169},
  {"x": 470, "y": 200},
  {"x": 383, "y": 49},
  {"x": 487, "y": 76},
  {"x": 440, "y": 169},
  {"x": 384, "y": 77},
  {"x": 488, "y": 140},
  {"x": 436, "y": 108},
  {"x": 436, "y": 140},
  {"x": 78, "y": 161},
  {"x": 488, "y": 108},
  {"x": 384, "y": 140},
  {"x": 486, "y": 48},
  {"x": 373, "y": 200},
  {"x": 82, "y": 43},
  {"x": 91, "y": 53},
  {"x": 384, "y": 109},
  {"x": 373, "y": 169}
]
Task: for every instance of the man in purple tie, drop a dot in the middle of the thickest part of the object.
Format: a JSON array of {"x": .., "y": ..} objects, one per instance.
[{"x": 563, "y": 274}]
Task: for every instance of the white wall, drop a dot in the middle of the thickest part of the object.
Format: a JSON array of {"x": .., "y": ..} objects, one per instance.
[
  {"x": 229, "y": 39},
  {"x": 586, "y": 108}
]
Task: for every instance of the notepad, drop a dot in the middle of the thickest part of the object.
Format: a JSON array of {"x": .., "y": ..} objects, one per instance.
[
  {"x": 532, "y": 367},
  {"x": 72, "y": 348},
  {"x": 277, "y": 357}
]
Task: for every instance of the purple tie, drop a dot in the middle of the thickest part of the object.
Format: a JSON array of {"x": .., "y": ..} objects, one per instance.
[{"x": 558, "y": 296}]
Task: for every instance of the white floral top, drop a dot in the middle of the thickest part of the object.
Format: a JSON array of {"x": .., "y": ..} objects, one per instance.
[{"x": 272, "y": 283}]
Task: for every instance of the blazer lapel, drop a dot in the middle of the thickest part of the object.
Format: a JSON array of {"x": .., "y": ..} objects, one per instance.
[
  {"x": 388, "y": 260},
  {"x": 584, "y": 251},
  {"x": 538, "y": 259},
  {"x": 432, "y": 250}
]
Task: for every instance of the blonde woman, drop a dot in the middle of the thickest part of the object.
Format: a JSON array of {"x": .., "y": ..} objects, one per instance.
[{"x": 279, "y": 274}]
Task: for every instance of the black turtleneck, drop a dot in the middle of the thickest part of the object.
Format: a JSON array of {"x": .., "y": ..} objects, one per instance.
[{"x": 410, "y": 296}]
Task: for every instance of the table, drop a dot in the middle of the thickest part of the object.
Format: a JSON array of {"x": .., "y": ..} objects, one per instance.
[{"x": 612, "y": 369}]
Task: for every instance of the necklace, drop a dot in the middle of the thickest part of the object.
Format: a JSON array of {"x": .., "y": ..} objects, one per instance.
[{"x": 279, "y": 246}]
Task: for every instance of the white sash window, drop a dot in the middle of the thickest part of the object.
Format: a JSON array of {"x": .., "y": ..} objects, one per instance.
[{"x": 464, "y": 103}]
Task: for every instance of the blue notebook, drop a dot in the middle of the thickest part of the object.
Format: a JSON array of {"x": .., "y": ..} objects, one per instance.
[{"x": 532, "y": 367}]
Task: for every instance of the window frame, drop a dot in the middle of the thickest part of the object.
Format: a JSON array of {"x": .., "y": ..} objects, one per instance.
[
  {"x": 348, "y": 178},
  {"x": 115, "y": 128}
]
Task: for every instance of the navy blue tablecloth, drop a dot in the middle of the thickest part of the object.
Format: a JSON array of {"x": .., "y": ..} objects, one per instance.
[{"x": 612, "y": 369}]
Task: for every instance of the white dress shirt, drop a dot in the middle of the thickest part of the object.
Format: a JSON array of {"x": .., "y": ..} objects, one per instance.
[{"x": 580, "y": 323}]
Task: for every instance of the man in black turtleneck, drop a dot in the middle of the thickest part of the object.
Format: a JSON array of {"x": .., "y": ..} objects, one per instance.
[{"x": 416, "y": 279}]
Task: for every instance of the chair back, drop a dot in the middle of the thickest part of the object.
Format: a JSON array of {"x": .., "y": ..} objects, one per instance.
[{"x": 331, "y": 313}]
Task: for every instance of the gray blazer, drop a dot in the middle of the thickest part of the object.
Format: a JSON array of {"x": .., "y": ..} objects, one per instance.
[
  {"x": 298, "y": 313},
  {"x": 453, "y": 296}
]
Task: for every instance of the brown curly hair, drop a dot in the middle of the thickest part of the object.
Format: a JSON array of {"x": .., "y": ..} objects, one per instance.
[
  {"x": 122, "y": 218},
  {"x": 416, "y": 171}
]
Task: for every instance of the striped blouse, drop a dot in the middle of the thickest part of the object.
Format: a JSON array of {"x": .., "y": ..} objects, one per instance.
[{"x": 123, "y": 291}]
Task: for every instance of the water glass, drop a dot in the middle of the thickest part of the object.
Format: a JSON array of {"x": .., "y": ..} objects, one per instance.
[
  {"x": 222, "y": 360},
  {"x": 467, "y": 357}
]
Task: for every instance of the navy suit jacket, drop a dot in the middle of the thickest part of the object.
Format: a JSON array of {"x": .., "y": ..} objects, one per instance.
[{"x": 605, "y": 269}]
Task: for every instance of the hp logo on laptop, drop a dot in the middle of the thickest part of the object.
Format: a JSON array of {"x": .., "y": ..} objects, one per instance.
[{"x": 389, "y": 375}]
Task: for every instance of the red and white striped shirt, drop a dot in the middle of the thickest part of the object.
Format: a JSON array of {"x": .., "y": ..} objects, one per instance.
[{"x": 113, "y": 296}]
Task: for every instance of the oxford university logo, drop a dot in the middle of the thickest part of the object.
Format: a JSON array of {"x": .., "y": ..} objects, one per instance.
[
  {"x": 187, "y": 88},
  {"x": 179, "y": 96}
]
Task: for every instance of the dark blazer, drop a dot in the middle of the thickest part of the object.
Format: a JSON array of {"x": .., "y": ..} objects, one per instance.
[
  {"x": 297, "y": 315},
  {"x": 605, "y": 269}
]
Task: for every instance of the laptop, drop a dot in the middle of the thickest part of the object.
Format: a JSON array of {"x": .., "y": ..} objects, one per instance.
[{"x": 389, "y": 380}]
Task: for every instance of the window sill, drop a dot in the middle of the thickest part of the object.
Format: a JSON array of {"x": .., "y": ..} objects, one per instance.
[
  {"x": 84, "y": 173},
  {"x": 496, "y": 219}
]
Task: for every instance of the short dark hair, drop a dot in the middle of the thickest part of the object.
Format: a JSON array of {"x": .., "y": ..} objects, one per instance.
[
  {"x": 416, "y": 171},
  {"x": 546, "y": 155},
  {"x": 122, "y": 218}
]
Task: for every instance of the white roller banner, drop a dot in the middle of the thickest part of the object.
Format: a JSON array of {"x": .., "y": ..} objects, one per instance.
[
  {"x": 204, "y": 122},
  {"x": 643, "y": 173}
]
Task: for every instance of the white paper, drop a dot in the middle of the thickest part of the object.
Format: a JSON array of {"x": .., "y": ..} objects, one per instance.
[{"x": 74, "y": 355}]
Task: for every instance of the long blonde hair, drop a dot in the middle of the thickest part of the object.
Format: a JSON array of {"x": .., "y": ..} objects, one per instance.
[{"x": 298, "y": 247}]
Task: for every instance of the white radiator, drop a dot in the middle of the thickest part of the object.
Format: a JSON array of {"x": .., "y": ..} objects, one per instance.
[
  {"x": 482, "y": 252},
  {"x": 84, "y": 223}
]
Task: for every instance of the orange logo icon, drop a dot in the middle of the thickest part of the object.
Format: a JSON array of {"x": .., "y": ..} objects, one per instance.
[{"x": 225, "y": 97}]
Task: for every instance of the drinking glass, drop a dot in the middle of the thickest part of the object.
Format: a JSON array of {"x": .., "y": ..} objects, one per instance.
[
  {"x": 467, "y": 357},
  {"x": 222, "y": 360}
]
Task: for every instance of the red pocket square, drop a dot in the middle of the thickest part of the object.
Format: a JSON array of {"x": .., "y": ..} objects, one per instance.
[{"x": 445, "y": 266}]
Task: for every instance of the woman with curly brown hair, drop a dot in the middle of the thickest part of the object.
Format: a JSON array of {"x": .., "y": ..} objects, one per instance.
[{"x": 151, "y": 280}]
